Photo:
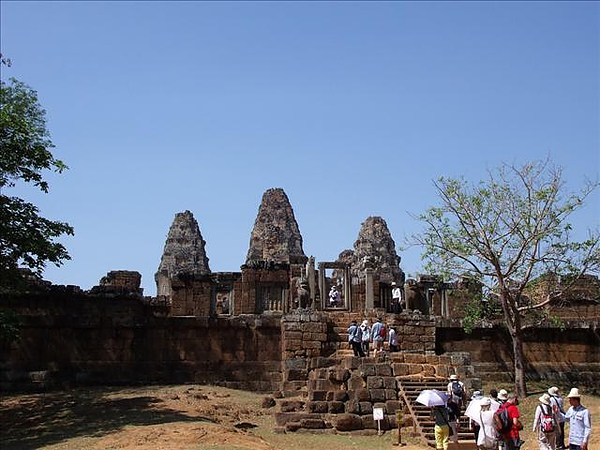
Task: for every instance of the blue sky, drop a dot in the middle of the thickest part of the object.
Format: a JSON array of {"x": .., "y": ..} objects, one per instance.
[{"x": 353, "y": 108}]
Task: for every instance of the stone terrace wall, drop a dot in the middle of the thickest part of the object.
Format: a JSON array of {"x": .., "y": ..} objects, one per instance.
[
  {"x": 311, "y": 337},
  {"x": 560, "y": 357},
  {"x": 342, "y": 393},
  {"x": 77, "y": 339}
]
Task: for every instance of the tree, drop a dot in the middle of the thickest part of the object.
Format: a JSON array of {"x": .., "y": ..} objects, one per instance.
[
  {"x": 506, "y": 232},
  {"x": 27, "y": 240}
]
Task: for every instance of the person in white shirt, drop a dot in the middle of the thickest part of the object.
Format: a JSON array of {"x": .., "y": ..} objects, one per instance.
[{"x": 396, "y": 298}]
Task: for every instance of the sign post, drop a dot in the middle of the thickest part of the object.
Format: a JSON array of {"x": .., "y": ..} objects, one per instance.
[{"x": 378, "y": 416}]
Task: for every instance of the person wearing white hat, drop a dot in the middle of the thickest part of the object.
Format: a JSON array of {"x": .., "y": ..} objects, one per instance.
[
  {"x": 486, "y": 437},
  {"x": 456, "y": 390},
  {"x": 502, "y": 395},
  {"x": 545, "y": 423},
  {"x": 580, "y": 422},
  {"x": 557, "y": 403}
]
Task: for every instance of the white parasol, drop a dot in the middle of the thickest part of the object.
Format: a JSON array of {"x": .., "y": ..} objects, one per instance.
[
  {"x": 432, "y": 397},
  {"x": 474, "y": 408}
]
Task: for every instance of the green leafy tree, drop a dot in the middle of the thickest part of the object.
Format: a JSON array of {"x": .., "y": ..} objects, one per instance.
[
  {"x": 27, "y": 240},
  {"x": 506, "y": 232}
]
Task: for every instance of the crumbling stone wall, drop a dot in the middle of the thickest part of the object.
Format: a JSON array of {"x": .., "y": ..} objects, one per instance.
[
  {"x": 342, "y": 393},
  {"x": 560, "y": 357},
  {"x": 69, "y": 338}
]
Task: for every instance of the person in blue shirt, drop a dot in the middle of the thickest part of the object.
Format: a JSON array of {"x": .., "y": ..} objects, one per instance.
[
  {"x": 355, "y": 339},
  {"x": 580, "y": 422}
]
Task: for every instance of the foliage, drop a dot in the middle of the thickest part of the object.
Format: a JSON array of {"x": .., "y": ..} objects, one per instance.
[
  {"x": 507, "y": 231},
  {"x": 26, "y": 238},
  {"x": 9, "y": 326}
]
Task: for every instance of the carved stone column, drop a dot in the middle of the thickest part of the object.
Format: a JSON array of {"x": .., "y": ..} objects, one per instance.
[{"x": 369, "y": 290}]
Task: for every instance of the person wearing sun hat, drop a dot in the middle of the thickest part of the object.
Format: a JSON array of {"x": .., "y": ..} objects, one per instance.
[
  {"x": 580, "y": 422},
  {"x": 502, "y": 395},
  {"x": 557, "y": 403},
  {"x": 543, "y": 411},
  {"x": 456, "y": 390}
]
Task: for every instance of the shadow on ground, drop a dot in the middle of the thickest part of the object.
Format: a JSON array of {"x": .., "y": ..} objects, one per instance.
[{"x": 51, "y": 418}]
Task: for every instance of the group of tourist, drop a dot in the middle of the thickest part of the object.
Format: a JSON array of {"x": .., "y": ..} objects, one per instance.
[
  {"x": 548, "y": 421},
  {"x": 495, "y": 420},
  {"x": 360, "y": 337}
]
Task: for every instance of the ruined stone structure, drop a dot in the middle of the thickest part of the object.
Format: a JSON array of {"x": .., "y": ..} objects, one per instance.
[
  {"x": 269, "y": 327},
  {"x": 183, "y": 277}
]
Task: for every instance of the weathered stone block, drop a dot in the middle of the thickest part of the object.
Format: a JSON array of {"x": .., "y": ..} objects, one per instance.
[
  {"x": 347, "y": 422},
  {"x": 320, "y": 385},
  {"x": 321, "y": 362},
  {"x": 428, "y": 370},
  {"x": 383, "y": 370},
  {"x": 317, "y": 395},
  {"x": 314, "y": 327},
  {"x": 293, "y": 335},
  {"x": 291, "y": 406},
  {"x": 352, "y": 363},
  {"x": 414, "y": 358},
  {"x": 375, "y": 383},
  {"x": 339, "y": 375},
  {"x": 367, "y": 370},
  {"x": 400, "y": 369},
  {"x": 366, "y": 408},
  {"x": 391, "y": 394},
  {"x": 319, "y": 374},
  {"x": 340, "y": 396},
  {"x": 296, "y": 375},
  {"x": 362, "y": 395},
  {"x": 377, "y": 395},
  {"x": 312, "y": 423},
  {"x": 389, "y": 383},
  {"x": 414, "y": 369},
  {"x": 284, "y": 417},
  {"x": 317, "y": 407},
  {"x": 391, "y": 406},
  {"x": 293, "y": 426},
  {"x": 336, "y": 407},
  {"x": 355, "y": 382},
  {"x": 352, "y": 407}
]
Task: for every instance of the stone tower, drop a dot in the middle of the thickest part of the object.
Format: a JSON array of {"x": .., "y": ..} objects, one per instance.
[
  {"x": 275, "y": 237},
  {"x": 183, "y": 271},
  {"x": 375, "y": 248}
]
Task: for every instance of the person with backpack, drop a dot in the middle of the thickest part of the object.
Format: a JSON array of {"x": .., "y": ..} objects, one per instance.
[
  {"x": 355, "y": 339},
  {"x": 509, "y": 414},
  {"x": 366, "y": 336},
  {"x": 378, "y": 333},
  {"x": 557, "y": 403},
  {"x": 545, "y": 422},
  {"x": 456, "y": 390}
]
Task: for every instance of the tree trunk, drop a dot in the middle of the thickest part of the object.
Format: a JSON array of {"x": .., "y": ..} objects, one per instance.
[
  {"x": 513, "y": 322},
  {"x": 519, "y": 364}
]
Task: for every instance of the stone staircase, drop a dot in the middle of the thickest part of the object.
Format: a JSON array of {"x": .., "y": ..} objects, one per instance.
[{"x": 423, "y": 423}]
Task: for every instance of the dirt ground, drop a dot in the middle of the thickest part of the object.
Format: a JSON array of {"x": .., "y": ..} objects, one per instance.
[
  {"x": 178, "y": 418},
  {"x": 158, "y": 417}
]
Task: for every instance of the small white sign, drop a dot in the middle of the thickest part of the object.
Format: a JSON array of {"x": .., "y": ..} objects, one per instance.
[{"x": 377, "y": 413}]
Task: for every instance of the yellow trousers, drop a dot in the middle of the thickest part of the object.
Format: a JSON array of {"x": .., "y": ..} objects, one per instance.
[{"x": 442, "y": 434}]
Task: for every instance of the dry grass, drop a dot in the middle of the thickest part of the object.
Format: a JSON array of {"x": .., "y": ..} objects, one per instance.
[{"x": 186, "y": 417}]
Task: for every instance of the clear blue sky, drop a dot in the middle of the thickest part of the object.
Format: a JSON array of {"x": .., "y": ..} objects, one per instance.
[{"x": 351, "y": 107}]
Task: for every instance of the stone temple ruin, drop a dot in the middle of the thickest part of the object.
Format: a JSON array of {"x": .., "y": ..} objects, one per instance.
[
  {"x": 277, "y": 276},
  {"x": 272, "y": 327}
]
